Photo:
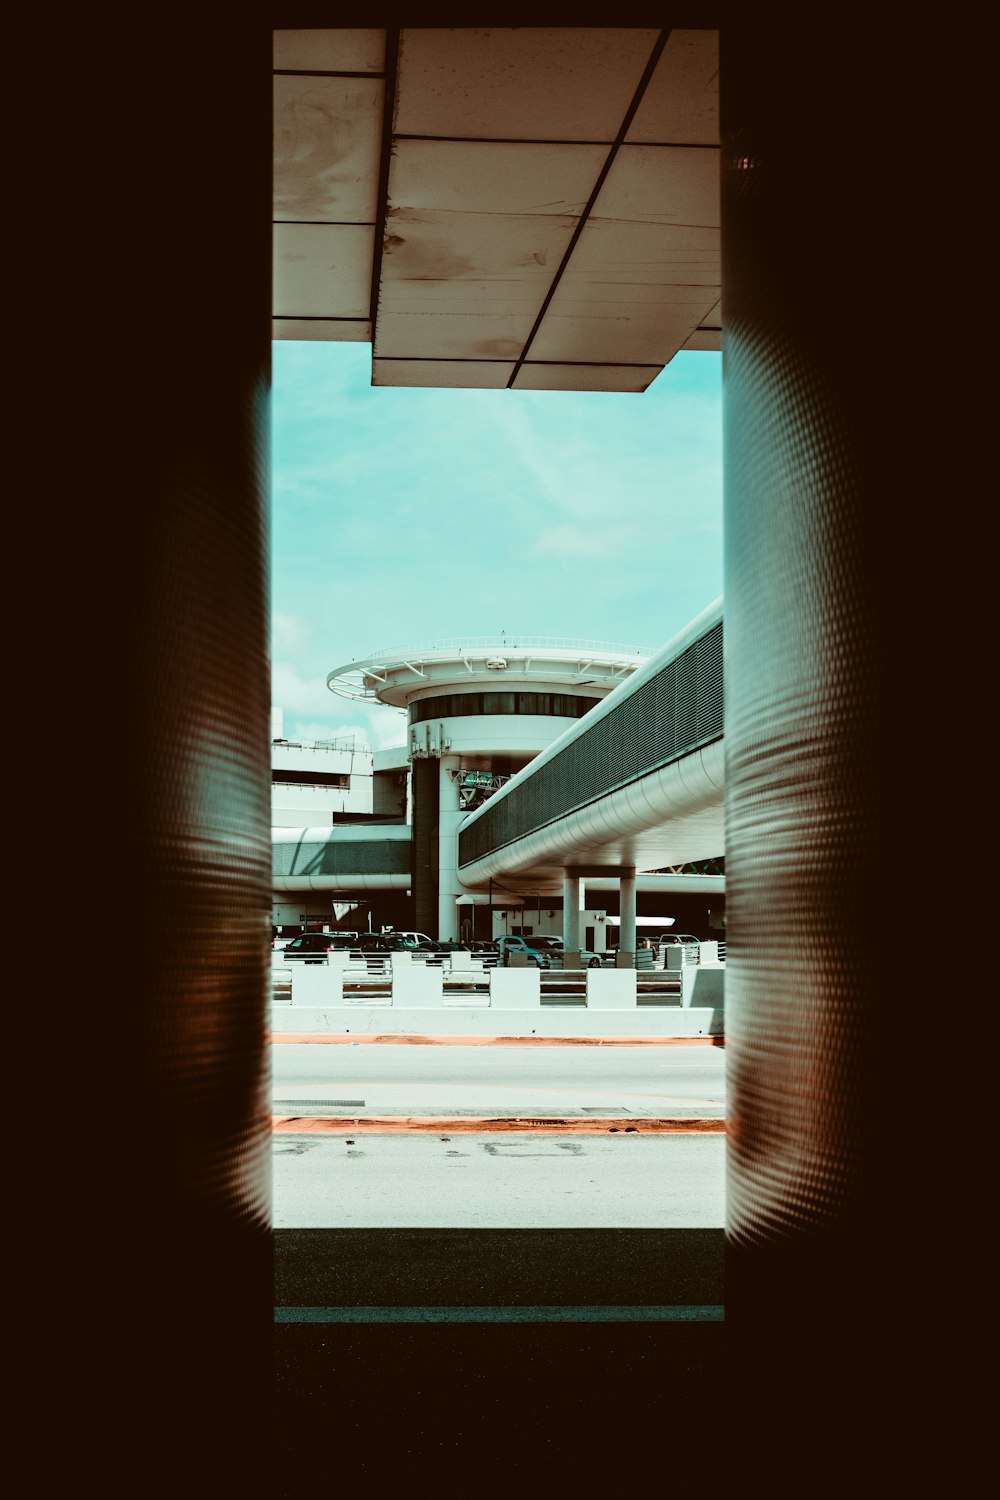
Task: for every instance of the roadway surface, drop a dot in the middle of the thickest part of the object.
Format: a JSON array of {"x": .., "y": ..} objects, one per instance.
[
  {"x": 360, "y": 1079},
  {"x": 490, "y": 1300},
  {"x": 487, "y": 1179}
]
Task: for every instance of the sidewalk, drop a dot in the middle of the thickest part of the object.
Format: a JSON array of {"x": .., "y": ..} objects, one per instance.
[{"x": 401, "y": 1039}]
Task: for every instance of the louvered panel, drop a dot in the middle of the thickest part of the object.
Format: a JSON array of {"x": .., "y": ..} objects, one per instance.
[{"x": 677, "y": 710}]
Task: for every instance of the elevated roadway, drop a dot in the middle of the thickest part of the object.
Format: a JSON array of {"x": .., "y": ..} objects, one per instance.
[{"x": 636, "y": 783}]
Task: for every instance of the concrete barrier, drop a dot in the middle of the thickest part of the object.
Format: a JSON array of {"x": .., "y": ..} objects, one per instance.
[
  {"x": 465, "y": 966},
  {"x": 415, "y": 985},
  {"x": 611, "y": 989},
  {"x": 515, "y": 989},
  {"x": 704, "y": 987},
  {"x": 557, "y": 1021},
  {"x": 317, "y": 984}
]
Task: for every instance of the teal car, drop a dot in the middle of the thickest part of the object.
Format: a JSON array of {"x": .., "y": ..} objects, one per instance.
[{"x": 537, "y": 956}]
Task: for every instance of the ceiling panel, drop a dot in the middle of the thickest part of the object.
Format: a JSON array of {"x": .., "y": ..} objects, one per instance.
[
  {"x": 521, "y": 83},
  {"x": 327, "y": 145},
  {"x": 662, "y": 185},
  {"x": 438, "y": 263},
  {"x": 491, "y": 177},
  {"x": 453, "y": 335},
  {"x": 631, "y": 293},
  {"x": 620, "y": 324},
  {"x": 534, "y": 377},
  {"x": 325, "y": 330},
  {"x": 337, "y": 50},
  {"x": 322, "y": 270},
  {"x": 610, "y": 252},
  {"x": 428, "y": 251},
  {"x": 681, "y": 101},
  {"x": 442, "y": 373},
  {"x": 713, "y": 318}
]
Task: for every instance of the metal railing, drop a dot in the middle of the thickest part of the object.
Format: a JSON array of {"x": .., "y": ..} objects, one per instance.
[
  {"x": 350, "y": 744},
  {"x": 381, "y": 962},
  {"x": 371, "y": 975},
  {"x": 502, "y": 643}
]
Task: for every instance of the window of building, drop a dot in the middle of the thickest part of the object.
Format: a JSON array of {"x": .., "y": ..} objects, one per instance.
[{"x": 464, "y": 705}]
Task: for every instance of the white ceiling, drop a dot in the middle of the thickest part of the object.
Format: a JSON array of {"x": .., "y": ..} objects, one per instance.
[{"x": 541, "y": 211}]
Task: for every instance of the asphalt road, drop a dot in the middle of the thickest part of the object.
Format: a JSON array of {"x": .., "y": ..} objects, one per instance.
[
  {"x": 682, "y": 1082},
  {"x": 479, "y": 1179},
  {"x": 493, "y": 1299}
]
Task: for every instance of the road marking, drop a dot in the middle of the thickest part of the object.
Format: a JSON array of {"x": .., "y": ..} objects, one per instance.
[
  {"x": 711, "y": 1313},
  {"x": 391, "y": 1040},
  {"x": 434, "y": 1124}
]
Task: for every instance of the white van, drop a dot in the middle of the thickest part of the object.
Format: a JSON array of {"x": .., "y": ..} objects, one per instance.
[{"x": 413, "y": 939}]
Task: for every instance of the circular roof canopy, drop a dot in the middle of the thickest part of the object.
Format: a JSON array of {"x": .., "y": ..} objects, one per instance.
[{"x": 400, "y": 675}]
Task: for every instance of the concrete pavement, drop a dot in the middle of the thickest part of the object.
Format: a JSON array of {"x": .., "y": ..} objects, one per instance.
[{"x": 524, "y": 1181}]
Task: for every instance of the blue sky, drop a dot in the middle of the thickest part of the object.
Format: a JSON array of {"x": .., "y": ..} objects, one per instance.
[{"x": 403, "y": 515}]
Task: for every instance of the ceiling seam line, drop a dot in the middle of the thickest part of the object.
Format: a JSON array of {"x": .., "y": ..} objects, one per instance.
[
  {"x": 382, "y": 207},
  {"x": 532, "y": 140},
  {"x": 630, "y": 113},
  {"x": 321, "y": 73},
  {"x": 451, "y": 359}
]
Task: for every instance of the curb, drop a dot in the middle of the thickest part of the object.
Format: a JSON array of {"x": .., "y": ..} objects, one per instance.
[
  {"x": 434, "y": 1124},
  {"x": 391, "y": 1039}
]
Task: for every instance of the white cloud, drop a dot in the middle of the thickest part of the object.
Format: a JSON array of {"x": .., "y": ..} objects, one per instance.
[
  {"x": 578, "y": 541},
  {"x": 297, "y": 694},
  {"x": 311, "y": 712},
  {"x": 378, "y": 727},
  {"x": 288, "y": 632},
  {"x": 405, "y": 514}
]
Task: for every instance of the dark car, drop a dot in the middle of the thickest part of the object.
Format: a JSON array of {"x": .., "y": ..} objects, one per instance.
[
  {"x": 311, "y": 947},
  {"x": 544, "y": 944},
  {"x": 377, "y": 942}
]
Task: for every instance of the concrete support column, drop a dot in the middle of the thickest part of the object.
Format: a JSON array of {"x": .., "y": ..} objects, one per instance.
[
  {"x": 181, "y": 445},
  {"x": 449, "y": 886},
  {"x": 571, "y": 913},
  {"x": 803, "y": 477},
  {"x": 627, "y": 929},
  {"x": 426, "y": 849}
]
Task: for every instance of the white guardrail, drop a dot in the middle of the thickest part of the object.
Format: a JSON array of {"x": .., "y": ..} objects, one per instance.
[
  {"x": 461, "y": 993},
  {"x": 670, "y": 956},
  {"x": 346, "y": 977}
]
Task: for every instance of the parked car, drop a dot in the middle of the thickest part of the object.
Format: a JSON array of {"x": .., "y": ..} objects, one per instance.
[
  {"x": 591, "y": 960},
  {"x": 677, "y": 937},
  {"x": 311, "y": 946},
  {"x": 480, "y": 945},
  {"x": 376, "y": 942},
  {"x": 541, "y": 957},
  {"x": 415, "y": 940},
  {"x": 547, "y": 943},
  {"x": 394, "y": 942}
]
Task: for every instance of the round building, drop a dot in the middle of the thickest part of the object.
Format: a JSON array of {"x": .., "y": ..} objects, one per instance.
[{"x": 478, "y": 710}]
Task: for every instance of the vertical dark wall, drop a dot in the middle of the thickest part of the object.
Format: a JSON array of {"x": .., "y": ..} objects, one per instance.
[
  {"x": 426, "y": 788},
  {"x": 191, "y": 1234},
  {"x": 804, "y": 186}
]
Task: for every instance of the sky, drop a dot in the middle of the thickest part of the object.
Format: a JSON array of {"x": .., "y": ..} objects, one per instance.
[{"x": 400, "y": 516}]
